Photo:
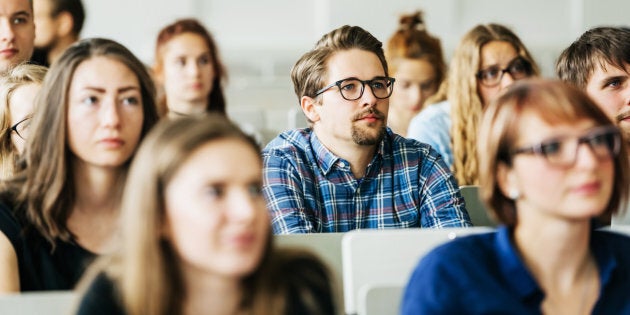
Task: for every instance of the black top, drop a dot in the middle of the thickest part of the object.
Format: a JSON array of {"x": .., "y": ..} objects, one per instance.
[
  {"x": 40, "y": 57},
  {"x": 41, "y": 268},
  {"x": 303, "y": 280}
]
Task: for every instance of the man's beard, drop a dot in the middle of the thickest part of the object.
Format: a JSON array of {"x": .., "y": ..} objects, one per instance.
[{"x": 361, "y": 136}]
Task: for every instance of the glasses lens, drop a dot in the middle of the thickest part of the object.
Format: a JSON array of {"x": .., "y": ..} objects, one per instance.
[
  {"x": 351, "y": 89},
  {"x": 520, "y": 69},
  {"x": 604, "y": 144},
  {"x": 381, "y": 88},
  {"x": 490, "y": 76},
  {"x": 558, "y": 151}
]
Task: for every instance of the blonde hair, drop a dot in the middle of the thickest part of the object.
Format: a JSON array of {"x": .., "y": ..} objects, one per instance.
[
  {"x": 21, "y": 75},
  {"x": 466, "y": 105},
  {"x": 556, "y": 103},
  {"x": 145, "y": 270}
]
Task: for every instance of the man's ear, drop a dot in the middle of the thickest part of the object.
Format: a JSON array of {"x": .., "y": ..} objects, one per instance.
[
  {"x": 310, "y": 107},
  {"x": 65, "y": 23}
]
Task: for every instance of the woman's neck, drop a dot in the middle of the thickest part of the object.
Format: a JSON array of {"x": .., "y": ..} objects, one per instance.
[
  {"x": 186, "y": 108},
  {"x": 96, "y": 188},
  {"x": 94, "y": 216},
  {"x": 210, "y": 293},
  {"x": 399, "y": 122},
  {"x": 559, "y": 257}
]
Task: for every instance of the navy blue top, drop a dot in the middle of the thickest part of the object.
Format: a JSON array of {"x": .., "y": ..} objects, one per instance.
[
  {"x": 484, "y": 274},
  {"x": 41, "y": 267}
]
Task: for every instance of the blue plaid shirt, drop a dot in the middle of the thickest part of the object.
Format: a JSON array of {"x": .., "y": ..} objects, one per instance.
[{"x": 308, "y": 189}]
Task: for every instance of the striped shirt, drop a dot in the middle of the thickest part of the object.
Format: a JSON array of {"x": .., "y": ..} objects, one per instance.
[{"x": 310, "y": 190}]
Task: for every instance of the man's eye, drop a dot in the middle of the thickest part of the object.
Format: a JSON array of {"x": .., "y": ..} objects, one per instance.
[
  {"x": 378, "y": 84},
  {"x": 351, "y": 86},
  {"x": 19, "y": 20},
  {"x": 613, "y": 83}
]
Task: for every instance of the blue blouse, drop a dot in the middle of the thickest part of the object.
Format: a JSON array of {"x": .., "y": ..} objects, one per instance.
[
  {"x": 432, "y": 125},
  {"x": 484, "y": 274}
]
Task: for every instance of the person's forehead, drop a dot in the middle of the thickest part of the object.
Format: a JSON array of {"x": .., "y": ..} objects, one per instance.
[
  {"x": 603, "y": 69},
  {"x": 10, "y": 7},
  {"x": 354, "y": 63}
]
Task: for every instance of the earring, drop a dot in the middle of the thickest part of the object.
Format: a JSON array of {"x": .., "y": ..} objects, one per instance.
[{"x": 514, "y": 194}]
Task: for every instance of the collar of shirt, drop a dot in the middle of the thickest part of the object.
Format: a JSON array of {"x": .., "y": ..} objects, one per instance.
[{"x": 326, "y": 160}]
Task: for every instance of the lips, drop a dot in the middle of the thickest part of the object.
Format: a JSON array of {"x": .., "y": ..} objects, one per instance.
[
  {"x": 588, "y": 188},
  {"x": 8, "y": 52},
  {"x": 112, "y": 143},
  {"x": 371, "y": 115},
  {"x": 242, "y": 240}
]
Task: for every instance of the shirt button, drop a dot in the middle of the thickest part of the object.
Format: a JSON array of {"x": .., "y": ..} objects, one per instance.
[{"x": 342, "y": 164}]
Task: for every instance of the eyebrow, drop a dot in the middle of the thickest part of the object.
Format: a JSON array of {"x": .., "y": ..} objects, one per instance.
[
  {"x": 611, "y": 78},
  {"x": 21, "y": 13},
  {"x": 120, "y": 90},
  {"x": 497, "y": 65}
]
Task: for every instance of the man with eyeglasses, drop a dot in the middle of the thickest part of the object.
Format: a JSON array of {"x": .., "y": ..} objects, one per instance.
[
  {"x": 348, "y": 170},
  {"x": 598, "y": 62},
  {"x": 17, "y": 33}
]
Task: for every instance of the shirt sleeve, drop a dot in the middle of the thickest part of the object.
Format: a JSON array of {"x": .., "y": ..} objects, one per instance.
[
  {"x": 442, "y": 204},
  {"x": 283, "y": 193}
]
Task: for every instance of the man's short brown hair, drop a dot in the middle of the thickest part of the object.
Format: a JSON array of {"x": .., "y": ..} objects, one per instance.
[{"x": 600, "y": 46}]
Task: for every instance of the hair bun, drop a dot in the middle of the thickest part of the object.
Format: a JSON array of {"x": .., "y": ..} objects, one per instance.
[{"x": 414, "y": 21}]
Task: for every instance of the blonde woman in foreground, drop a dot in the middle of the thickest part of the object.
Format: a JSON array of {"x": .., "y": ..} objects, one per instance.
[{"x": 197, "y": 236}]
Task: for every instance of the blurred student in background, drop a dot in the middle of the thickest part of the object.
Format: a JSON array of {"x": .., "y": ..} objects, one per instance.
[
  {"x": 197, "y": 236},
  {"x": 189, "y": 70},
  {"x": 17, "y": 32},
  {"x": 489, "y": 58},
  {"x": 548, "y": 257},
  {"x": 58, "y": 25},
  {"x": 598, "y": 63},
  {"x": 18, "y": 90},
  {"x": 415, "y": 60},
  {"x": 61, "y": 209}
]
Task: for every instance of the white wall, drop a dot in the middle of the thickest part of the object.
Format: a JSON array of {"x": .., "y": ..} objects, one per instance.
[{"x": 261, "y": 39}]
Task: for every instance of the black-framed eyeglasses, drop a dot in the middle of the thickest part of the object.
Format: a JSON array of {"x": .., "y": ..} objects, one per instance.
[
  {"x": 604, "y": 142},
  {"x": 519, "y": 68},
  {"x": 352, "y": 88},
  {"x": 21, "y": 127}
]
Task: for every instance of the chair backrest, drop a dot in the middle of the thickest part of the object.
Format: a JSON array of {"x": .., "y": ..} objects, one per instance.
[
  {"x": 476, "y": 209},
  {"x": 327, "y": 246},
  {"x": 379, "y": 299},
  {"x": 36, "y": 303},
  {"x": 621, "y": 218},
  {"x": 387, "y": 257},
  {"x": 621, "y": 229}
]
